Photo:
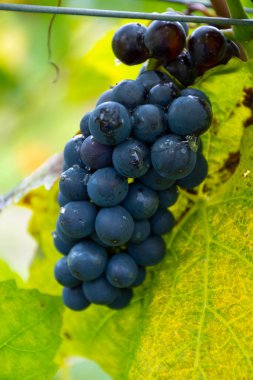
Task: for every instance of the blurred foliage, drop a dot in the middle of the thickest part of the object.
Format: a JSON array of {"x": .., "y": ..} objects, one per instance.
[
  {"x": 30, "y": 326},
  {"x": 34, "y": 125}
]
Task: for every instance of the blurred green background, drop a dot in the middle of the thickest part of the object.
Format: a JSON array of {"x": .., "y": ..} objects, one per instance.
[{"x": 37, "y": 116}]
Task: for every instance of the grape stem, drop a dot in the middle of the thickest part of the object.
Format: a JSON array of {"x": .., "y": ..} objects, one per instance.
[
  {"x": 243, "y": 35},
  {"x": 221, "y": 8}
]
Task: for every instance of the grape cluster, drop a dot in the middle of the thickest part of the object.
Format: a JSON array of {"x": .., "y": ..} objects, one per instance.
[
  {"x": 122, "y": 172},
  {"x": 166, "y": 41}
]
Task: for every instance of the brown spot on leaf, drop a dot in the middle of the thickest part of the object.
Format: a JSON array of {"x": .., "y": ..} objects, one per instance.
[
  {"x": 184, "y": 213},
  {"x": 231, "y": 163},
  {"x": 248, "y": 102},
  {"x": 67, "y": 335}
]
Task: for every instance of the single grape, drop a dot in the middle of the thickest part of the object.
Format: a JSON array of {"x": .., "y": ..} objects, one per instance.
[
  {"x": 74, "y": 298},
  {"x": 148, "y": 122},
  {"x": 168, "y": 197},
  {"x": 110, "y": 123},
  {"x": 87, "y": 260},
  {"x": 184, "y": 24},
  {"x": 196, "y": 117},
  {"x": 61, "y": 235},
  {"x": 95, "y": 155},
  {"x": 207, "y": 46},
  {"x": 141, "y": 231},
  {"x": 183, "y": 69},
  {"x": 172, "y": 157},
  {"x": 197, "y": 176},
  {"x": 195, "y": 92},
  {"x": 129, "y": 93},
  {"x": 100, "y": 291},
  {"x": 155, "y": 181},
  {"x": 148, "y": 253},
  {"x": 163, "y": 94},
  {"x": 141, "y": 201},
  {"x": 77, "y": 219},
  {"x": 131, "y": 158},
  {"x": 121, "y": 270},
  {"x": 162, "y": 222},
  {"x": 107, "y": 188},
  {"x": 63, "y": 275},
  {"x": 96, "y": 239},
  {"x": 114, "y": 225},
  {"x": 62, "y": 200},
  {"x": 232, "y": 50},
  {"x": 128, "y": 44},
  {"x": 140, "y": 277},
  {"x": 61, "y": 246},
  {"x": 122, "y": 300},
  {"x": 105, "y": 97},
  {"x": 151, "y": 78},
  {"x": 72, "y": 184},
  {"x": 71, "y": 152},
  {"x": 165, "y": 40},
  {"x": 84, "y": 125},
  {"x": 62, "y": 242}
]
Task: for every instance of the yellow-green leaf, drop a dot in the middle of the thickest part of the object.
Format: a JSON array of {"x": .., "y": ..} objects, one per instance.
[{"x": 29, "y": 335}]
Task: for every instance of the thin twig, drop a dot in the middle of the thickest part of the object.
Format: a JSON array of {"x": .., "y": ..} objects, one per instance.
[
  {"x": 197, "y": 7},
  {"x": 123, "y": 14},
  {"x": 49, "y": 47}
]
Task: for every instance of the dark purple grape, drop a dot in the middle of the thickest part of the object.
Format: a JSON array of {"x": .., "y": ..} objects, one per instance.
[
  {"x": 165, "y": 40},
  {"x": 110, "y": 123},
  {"x": 71, "y": 153},
  {"x": 189, "y": 115},
  {"x": 162, "y": 222},
  {"x": 140, "y": 277},
  {"x": 105, "y": 97},
  {"x": 74, "y": 298},
  {"x": 197, "y": 176},
  {"x": 232, "y": 50},
  {"x": 148, "y": 122},
  {"x": 172, "y": 157},
  {"x": 129, "y": 93},
  {"x": 168, "y": 197},
  {"x": 95, "y": 155},
  {"x": 128, "y": 44},
  {"x": 155, "y": 181},
  {"x": 184, "y": 24},
  {"x": 148, "y": 253},
  {"x": 151, "y": 78},
  {"x": 207, "y": 46},
  {"x": 195, "y": 92},
  {"x": 183, "y": 69},
  {"x": 163, "y": 94},
  {"x": 122, "y": 300},
  {"x": 84, "y": 125}
]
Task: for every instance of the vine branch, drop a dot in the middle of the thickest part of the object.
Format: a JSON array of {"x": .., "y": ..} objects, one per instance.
[{"x": 123, "y": 14}]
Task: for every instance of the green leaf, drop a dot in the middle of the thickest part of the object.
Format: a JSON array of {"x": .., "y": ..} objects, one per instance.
[
  {"x": 29, "y": 338},
  {"x": 42, "y": 224},
  {"x": 192, "y": 318}
]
